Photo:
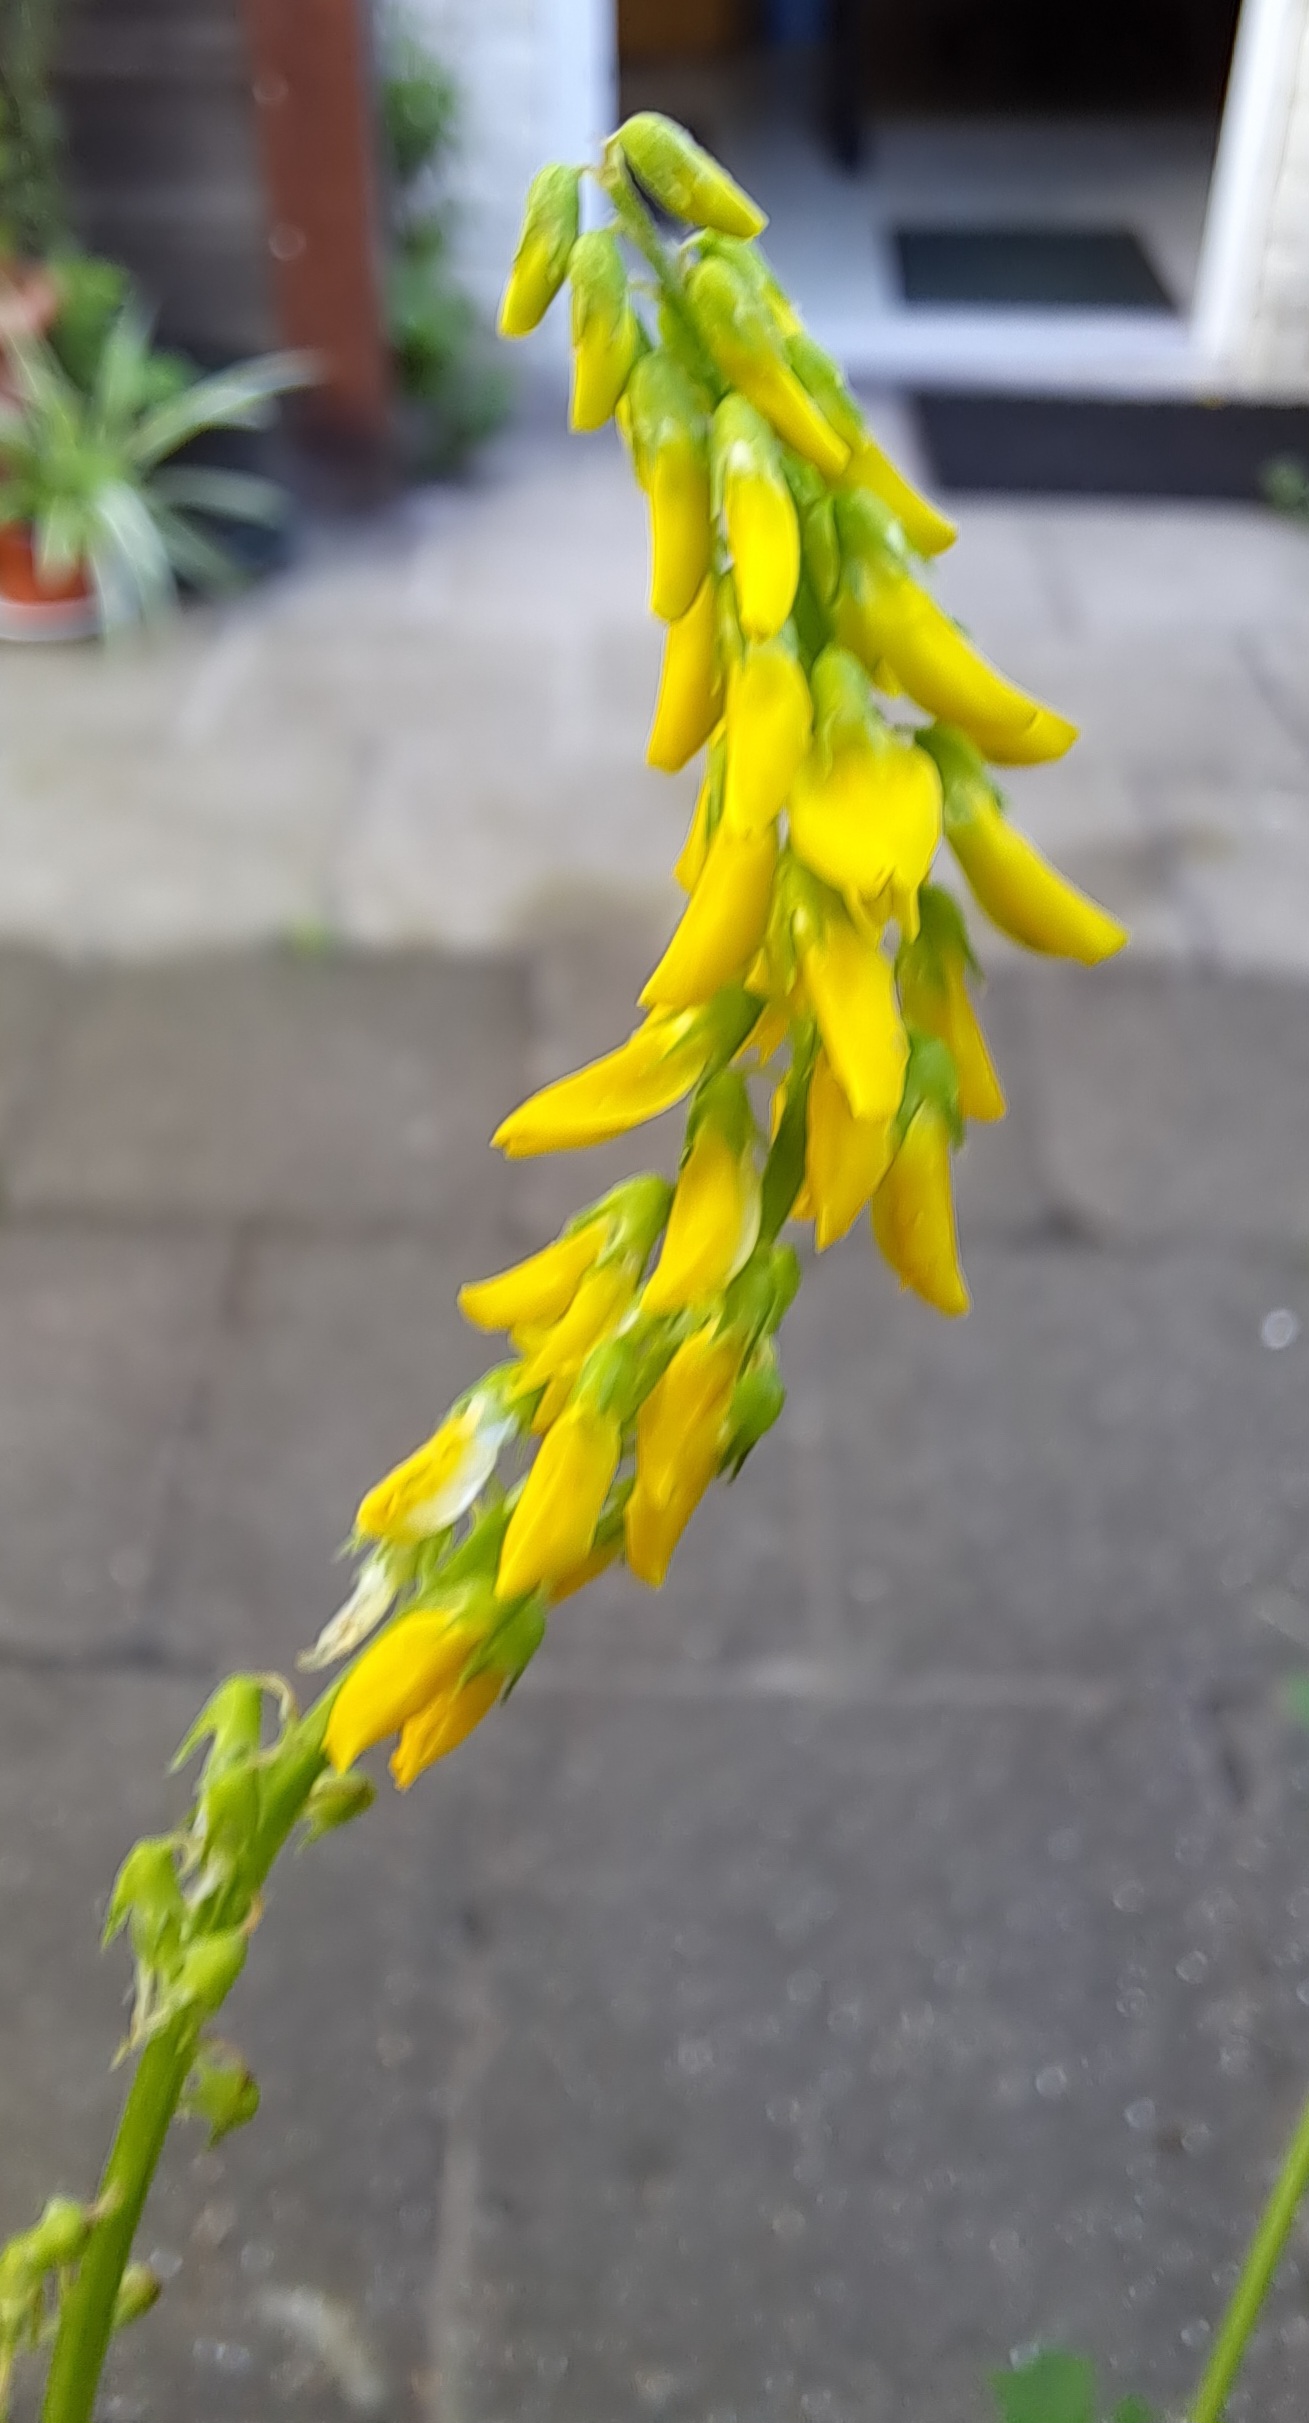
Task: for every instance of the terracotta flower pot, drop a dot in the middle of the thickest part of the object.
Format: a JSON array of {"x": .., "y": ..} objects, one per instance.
[{"x": 33, "y": 608}]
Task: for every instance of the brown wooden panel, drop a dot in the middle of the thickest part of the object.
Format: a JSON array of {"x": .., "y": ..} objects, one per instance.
[
  {"x": 679, "y": 29},
  {"x": 311, "y": 75}
]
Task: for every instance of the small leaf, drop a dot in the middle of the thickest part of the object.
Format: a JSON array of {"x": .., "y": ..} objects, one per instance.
[
  {"x": 1053, "y": 2387},
  {"x": 1132, "y": 2410}
]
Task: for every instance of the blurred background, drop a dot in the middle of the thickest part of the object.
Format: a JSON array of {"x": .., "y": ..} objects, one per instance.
[{"x": 887, "y": 1948}]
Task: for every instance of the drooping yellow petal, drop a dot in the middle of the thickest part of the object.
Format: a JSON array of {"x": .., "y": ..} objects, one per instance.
[
  {"x": 597, "y": 1561},
  {"x": 913, "y": 1215},
  {"x": 1023, "y": 894},
  {"x": 658, "y": 1063},
  {"x": 440, "y": 1480},
  {"x": 700, "y": 832},
  {"x": 553, "y": 1525},
  {"x": 420, "y": 1657},
  {"x": 537, "y": 1291},
  {"x": 439, "y": 1728},
  {"x": 868, "y": 819},
  {"x": 885, "y": 616},
  {"x": 549, "y": 232},
  {"x": 690, "y": 684},
  {"x": 652, "y": 1530},
  {"x": 722, "y": 927},
  {"x": 945, "y": 1010},
  {"x": 679, "y": 1426},
  {"x": 681, "y": 538},
  {"x": 852, "y": 988},
  {"x": 763, "y": 531},
  {"x": 926, "y": 528},
  {"x": 769, "y": 722},
  {"x": 845, "y": 1158},
  {"x": 712, "y": 1226},
  {"x": 560, "y": 1351}
]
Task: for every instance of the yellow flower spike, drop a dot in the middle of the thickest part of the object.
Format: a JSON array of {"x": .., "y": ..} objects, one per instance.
[
  {"x": 670, "y": 453},
  {"x": 690, "y": 684},
  {"x": 852, "y": 988},
  {"x": 867, "y": 820},
  {"x": 763, "y": 532},
  {"x": 606, "y": 333},
  {"x": 686, "y": 181},
  {"x": 769, "y": 721},
  {"x": 679, "y": 1426},
  {"x": 747, "y": 349},
  {"x": 440, "y": 1728},
  {"x": 926, "y": 529},
  {"x": 554, "y": 1522},
  {"x": 421, "y": 1656},
  {"x": 658, "y": 1063},
  {"x": 913, "y": 1214},
  {"x": 845, "y": 1158},
  {"x": 934, "y": 991},
  {"x": 439, "y": 1481},
  {"x": 540, "y": 266},
  {"x": 599, "y": 1304},
  {"x": 537, "y": 1291},
  {"x": 1018, "y": 888},
  {"x": 714, "y": 1222},
  {"x": 723, "y": 924}
]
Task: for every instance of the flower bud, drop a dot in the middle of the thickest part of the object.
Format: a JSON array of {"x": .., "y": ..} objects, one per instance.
[
  {"x": 220, "y": 2090},
  {"x": 745, "y": 346},
  {"x": 723, "y": 924},
  {"x": 208, "y": 1970},
  {"x": 554, "y": 1523},
  {"x": 533, "y": 1293},
  {"x": 549, "y": 232},
  {"x": 1018, "y": 888},
  {"x": 690, "y": 684},
  {"x": 684, "y": 180},
  {"x": 932, "y": 971},
  {"x": 138, "y": 2290},
  {"x": 846, "y": 1158},
  {"x": 769, "y": 721},
  {"x": 670, "y": 453},
  {"x": 336, "y": 1800},
  {"x": 852, "y": 988},
  {"x": 913, "y": 1213},
  {"x": 714, "y": 1220},
  {"x": 439, "y": 1481},
  {"x": 763, "y": 534},
  {"x": 606, "y": 335}
]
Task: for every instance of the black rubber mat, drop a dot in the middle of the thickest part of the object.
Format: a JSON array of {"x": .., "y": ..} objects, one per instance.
[
  {"x": 1026, "y": 268},
  {"x": 1063, "y": 445}
]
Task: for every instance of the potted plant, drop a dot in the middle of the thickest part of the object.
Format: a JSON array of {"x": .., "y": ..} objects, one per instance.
[{"x": 97, "y": 526}]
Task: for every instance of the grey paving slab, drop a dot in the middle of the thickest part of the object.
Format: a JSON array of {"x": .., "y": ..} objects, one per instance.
[
  {"x": 104, "y": 1345},
  {"x": 841, "y": 2051},
  {"x": 1186, "y": 705},
  {"x": 283, "y": 1084},
  {"x": 1167, "y": 1102},
  {"x": 1099, "y": 1473},
  {"x": 336, "y": 1358}
]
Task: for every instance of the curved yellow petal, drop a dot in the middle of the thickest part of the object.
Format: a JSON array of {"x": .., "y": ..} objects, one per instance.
[
  {"x": 1024, "y": 895},
  {"x": 869, "y": 818},
  {"x": 679, "y": 1427},
  {"x": 712, "y": 1226},
  {"x": 438, "y": 1729},
  {"x": 681, "y": 536},
  {"x": 653, "y": 1069},
  {"x": 420, "y": 1656},
  {"x": 769, "y": 722},
  {"x": 439, "y": 1481},
  {"x": 553, "y": 1524},
  {"x": 852, "y": 988},
  {"x": 537, "y": 1290},
  {"x": 723, "y": 924},
  {"x": 913, "y": 1215},
  {"x": 690, "y": 684},
  {"x": 845, "y": 1158},
  {"x": 926, "y": 528}
]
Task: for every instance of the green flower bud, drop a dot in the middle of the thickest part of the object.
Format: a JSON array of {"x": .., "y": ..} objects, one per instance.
[
  {"x": 683, "y": 179},
  {"x": 59, "y": 2236},
  {"x": 147, "y": 1900},
  {"x": 757, "y": 1400},
  {"x": 549, "y": 232},
  {"x": 139, "y": 2289},
  {"x": 231, "y": 1721},
  {"x": 220, "y": 2091},
  {"x": 335, "y": 1801},
  {"x": 209, "y": 1969}
]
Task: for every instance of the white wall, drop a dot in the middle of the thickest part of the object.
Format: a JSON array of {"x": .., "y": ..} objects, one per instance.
[
  {"x": 1252, "y": 297},
  {"x": 539, "y": 82}
]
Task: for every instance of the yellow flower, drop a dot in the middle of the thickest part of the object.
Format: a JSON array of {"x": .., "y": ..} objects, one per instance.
[
  {"x": 763, "y": 534},
  {"x": 690, "y": 684},
  {"x": 671, "y": 458},
  {"x": 651, "y": 1531},
  {"x": 887, "y": 616},
  {"x": 723, "y": 924},
  {"x": 606, "y": 334},
  {"x": 769, "y": 721},
  {"x": 712, "y": 1226},
  {"x": 414, "y": 1665},
  {"x": 926, "y": 528},
  {"x": 659, "y": 1063},
  {"x": 845, "y": 1158},
  {"x": 852, "y": 988},
  {"x": 913, "y": 1214},
  {"x": 553, "y": 1524},
  {"x": 704, "y": 820},
  {"x": 439, "y": 1481},
  {"x": 679, "y": 1426},
  {"x": 439, "y": 1728},
  {"x": 599, "y": 1304},
  {"x": 744, "y": 343},
  {"x": 541, "y": 262},
  {"x": 1018, "y": 888},
  {"x": 934, "y": 991},
  {"x": 537, "y": 1291},
  {"x": 865, "y": 819},
  {"x": 597, "y": 1561}
]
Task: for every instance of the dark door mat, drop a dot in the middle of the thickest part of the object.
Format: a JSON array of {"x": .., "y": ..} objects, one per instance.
[
  {"x": 1043, "y": 268},
  {"x": 1067, "y": 446}
]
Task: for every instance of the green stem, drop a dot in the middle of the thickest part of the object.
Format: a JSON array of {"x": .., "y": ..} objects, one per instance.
[
  {"x": 86, "y": 2313},
  {"x": 1256, "y": 2277},
  {"x": 639, "y": 228},
  {"x": 86, "y": 2318}
]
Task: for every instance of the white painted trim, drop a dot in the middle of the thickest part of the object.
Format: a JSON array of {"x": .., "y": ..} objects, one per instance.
[{"x": 1250, "y": 146}]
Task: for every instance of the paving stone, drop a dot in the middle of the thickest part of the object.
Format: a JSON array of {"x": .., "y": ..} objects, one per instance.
[
  {"x": 802, "y": 2014},
  {"x": 276, "y": 1086},
  {"x": 104, "y": 1340},
  {"x": 1186, "y": 706},
  {"x": 33, "y": 1002},
  {"x": 1168, "y": 1102},
  {"x": 1099, "y": 1473},
  {"x": 336, "y": 1359},
  {"x": 1144, "y": 568}
]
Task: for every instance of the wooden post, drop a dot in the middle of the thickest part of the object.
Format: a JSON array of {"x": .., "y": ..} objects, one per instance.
[{"x": 311, "y": 76}]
